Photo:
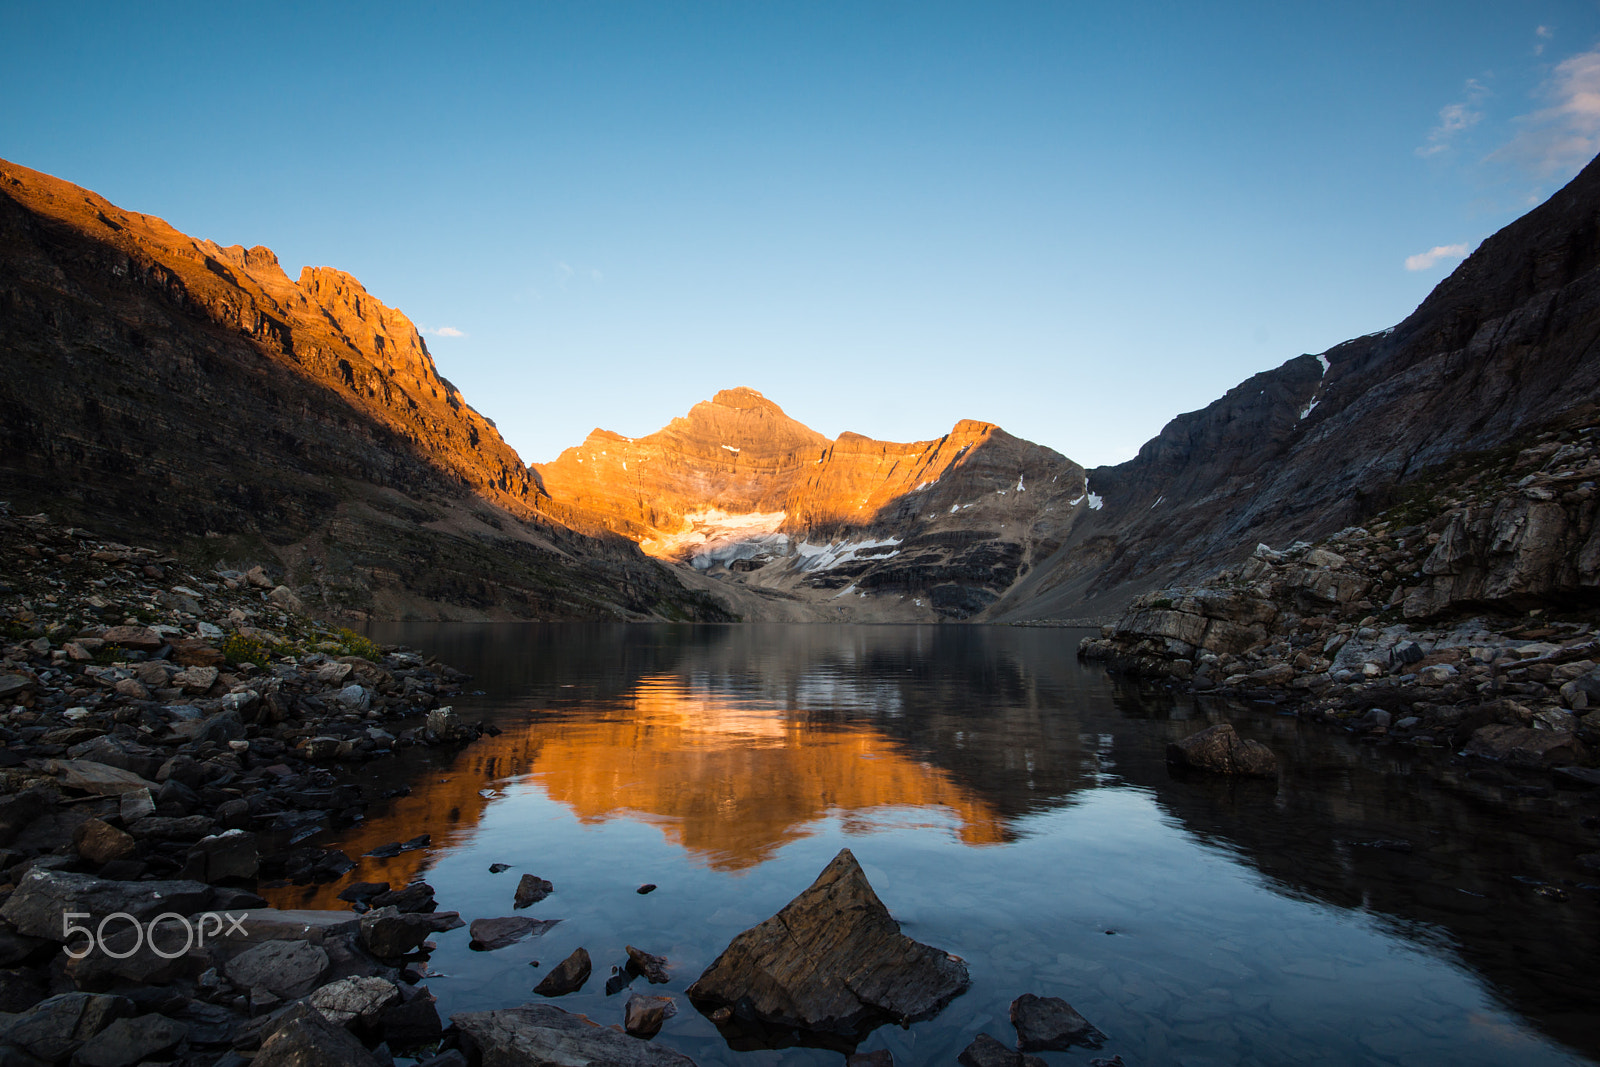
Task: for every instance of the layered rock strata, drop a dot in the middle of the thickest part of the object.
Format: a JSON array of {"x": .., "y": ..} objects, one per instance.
[
  {"x": 1461, "y": 617},
  {"x": 169, "y": 389}
]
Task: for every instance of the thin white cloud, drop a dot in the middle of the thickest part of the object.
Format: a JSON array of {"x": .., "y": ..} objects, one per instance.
[
  {"x": 1544, "y": 33},
  {"x": 443, "y": 331},
  {"x": 1425, "y": 260},
  {"x": 1454, "y": 119},
  {"x": 1566, "y": 134}
]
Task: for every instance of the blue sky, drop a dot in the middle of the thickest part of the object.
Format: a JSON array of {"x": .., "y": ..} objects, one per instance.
[{"x": 1073, "y": 219}]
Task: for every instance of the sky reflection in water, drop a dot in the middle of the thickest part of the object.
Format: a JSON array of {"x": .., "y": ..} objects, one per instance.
[{"x": 1007, "y": 805}]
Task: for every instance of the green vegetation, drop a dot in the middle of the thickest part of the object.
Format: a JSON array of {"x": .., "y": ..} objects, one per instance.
[
  {"x": 239, "y": 649},
  {"x": 353, "y": 644}
]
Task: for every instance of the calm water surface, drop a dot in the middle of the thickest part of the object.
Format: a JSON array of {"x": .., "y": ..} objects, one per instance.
[{"x": 1008, "y": 805}]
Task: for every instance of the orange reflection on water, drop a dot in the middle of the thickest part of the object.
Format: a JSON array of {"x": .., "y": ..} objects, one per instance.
[{"x": 729, "y": 781}]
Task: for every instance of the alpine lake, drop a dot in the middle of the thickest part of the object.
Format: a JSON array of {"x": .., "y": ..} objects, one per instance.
[{"x": 1375, "y": 905}]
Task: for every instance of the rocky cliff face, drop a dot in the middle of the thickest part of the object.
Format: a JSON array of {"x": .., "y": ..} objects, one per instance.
[
  {"x": 850, "y": 528},
  {"x": 1503, "y": 348},
  {"x": 170, "y": 388}
]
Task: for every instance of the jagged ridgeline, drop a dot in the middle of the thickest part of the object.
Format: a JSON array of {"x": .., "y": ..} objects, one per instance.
[
  {"x": 167, "y": 388},
  {"x": 161, "y": 387}
]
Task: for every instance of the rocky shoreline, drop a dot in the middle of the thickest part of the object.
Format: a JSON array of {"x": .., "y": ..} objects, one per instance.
[
  {"x": 1463, "y": 620},
  {"x": 171, "y": 737}
]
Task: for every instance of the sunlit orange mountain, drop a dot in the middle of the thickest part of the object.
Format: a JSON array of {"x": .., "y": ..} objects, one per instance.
[
  {"x": 851, "y": 527},
  {"x": 165, "y": 387}
]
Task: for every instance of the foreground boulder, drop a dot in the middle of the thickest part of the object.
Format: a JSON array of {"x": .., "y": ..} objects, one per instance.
[
  {"x": 1220, "y": 750},
  {"x": 543, "y": 1033},
  {"x": 833, "y": 960}
]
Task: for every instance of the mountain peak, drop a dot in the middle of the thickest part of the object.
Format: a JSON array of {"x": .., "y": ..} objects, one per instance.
[{"x": 744, "y": 397}]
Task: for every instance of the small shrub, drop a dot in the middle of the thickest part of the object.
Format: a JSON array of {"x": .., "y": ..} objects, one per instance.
[
  {"x": 353, "y": 644},
  {"x": 239, "y": 649},
  {"x": 1161, "y": 604}
]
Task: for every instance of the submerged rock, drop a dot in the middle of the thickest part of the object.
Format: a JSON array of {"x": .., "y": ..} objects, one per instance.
[
  {"x": 489, "y": 934},
  {"x": 543, "y": 1033},
  {"x": 1220, "y": 750},
  {"x": 1051, "y": 1023},
  {"x": 832, "y": 960},
  {"x": 651, "y": 966},
  {"x": 985, "y": 1051}
]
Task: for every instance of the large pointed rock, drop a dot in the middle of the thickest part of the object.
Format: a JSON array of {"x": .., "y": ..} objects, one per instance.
[{"x": 832, "y": 960}]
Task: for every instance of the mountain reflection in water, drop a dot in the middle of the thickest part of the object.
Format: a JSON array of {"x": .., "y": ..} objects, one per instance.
[{"x": 740, "y": 746}]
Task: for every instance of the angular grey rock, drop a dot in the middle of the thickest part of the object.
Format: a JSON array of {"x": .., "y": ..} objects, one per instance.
[
  {"x": 643, "y": 1016},
  {"x": 99, "y": 842},
  {"x": 285, "y": 598},
  {"x": 354, "y": 698},
  {"x": 135, "y": 805},
  {"x": 1516, "y": 745},
  {"x": 292, "y": 924},
  {"x": 130, "y": 1041},
  {"x": 303, "y": 1038},
  {"x": 36, "y": 906},
  {"x": 413, "y": 1021},
  {"x": 86, "y": 776},
  {"x": 531, "y": 889},
  {"x": 1050, "y": 1023},
  {"x": 831, "y": 960},
  {"x": 443, "y": 724},
  {"x": 418, "y": 896},
  {"x": 1220, "y": 750},
  {"x": 652, "y": 967},
  {"x": 55, "y": 1028},
  {"x": 351, "y": 1000},
  {"x": 388, "y": 933},
  {"x": 567, "y": 976},
  {"x": 20, "y": 810},
  {"x": 985, "y": 1051},
  {"x": 490, "y": 934},
  {"x": 543, "y": 1033},
  {"x": 163, "y": 828},
  {"x": 231, "y": 854},
  {"x": 287, "y": 969}
]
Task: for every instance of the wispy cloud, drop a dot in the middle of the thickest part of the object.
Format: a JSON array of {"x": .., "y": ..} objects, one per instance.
[
  {"x": 1543, "y": 33},
  {"x": 1566, "y": 134},
  {"x": 1426, "y": 260},
  {"x": 1454, "y": 119},
  {"x": 443, "y": 331}
]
